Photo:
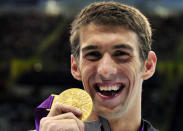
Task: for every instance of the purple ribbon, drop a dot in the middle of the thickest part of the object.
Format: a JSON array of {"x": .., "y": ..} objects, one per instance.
[
  {"x": 41, "y": 111},
  {"x": 142, "y": 129}
]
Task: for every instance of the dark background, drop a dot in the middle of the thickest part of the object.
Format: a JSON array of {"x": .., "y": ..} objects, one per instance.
[{"x": 35, "y": 59}]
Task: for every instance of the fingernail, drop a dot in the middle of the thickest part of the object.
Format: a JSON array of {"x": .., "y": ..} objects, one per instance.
[{"x": 79, "y": 111}]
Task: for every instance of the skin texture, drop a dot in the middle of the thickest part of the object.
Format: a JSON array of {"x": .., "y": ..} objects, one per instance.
[
  {"x": 62, "y": 118},
  {"x": 109, "y": 56}
]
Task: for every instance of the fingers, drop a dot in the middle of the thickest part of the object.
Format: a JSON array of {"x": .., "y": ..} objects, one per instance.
[
  {"x": 62, "y": 117},
  {"x": 70, "y": 116},
  {"x": 60, "y": 108},
  {"x": 58, "y": 125},
  {"x": 62, "y": 122}
]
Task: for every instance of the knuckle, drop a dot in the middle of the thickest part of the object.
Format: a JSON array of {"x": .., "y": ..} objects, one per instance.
[
  {"x": 45, "y": 123},
  {"x": 72, "y": 127},
  {"x": 73, "y": 121},
  {"x": 70, "y": 114},
  {"x": 51, "y": 126},
  {"x": 58, "y": 104},
  {"x": 44, "y": 120}
]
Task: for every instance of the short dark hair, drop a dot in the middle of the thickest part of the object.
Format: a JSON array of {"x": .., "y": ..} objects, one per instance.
[{"x": 115, "y": 14}]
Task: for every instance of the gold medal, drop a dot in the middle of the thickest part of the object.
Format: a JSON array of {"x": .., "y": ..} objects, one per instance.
[{"x": 77, "y": 98}]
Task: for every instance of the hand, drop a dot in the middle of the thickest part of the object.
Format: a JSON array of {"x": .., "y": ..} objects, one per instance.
[{"x": 62, "y": 118}]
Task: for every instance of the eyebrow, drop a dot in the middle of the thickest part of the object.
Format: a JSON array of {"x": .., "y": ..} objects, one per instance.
[
  {"x": 123, "y": 46},
  {"x": 90, "y": 47},
  {"x": 118, "y": 46}
]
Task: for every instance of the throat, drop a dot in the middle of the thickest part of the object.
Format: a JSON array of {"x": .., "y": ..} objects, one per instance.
[
  {"x": 129, "y": 121},
  {"x": 125, "y": 125}
]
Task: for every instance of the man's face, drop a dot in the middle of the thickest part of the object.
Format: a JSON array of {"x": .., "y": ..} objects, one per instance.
[{"x": 110, "y": 68}]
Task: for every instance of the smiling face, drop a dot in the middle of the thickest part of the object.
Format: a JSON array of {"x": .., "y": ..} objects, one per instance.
[{"x": 110, "y": 68}]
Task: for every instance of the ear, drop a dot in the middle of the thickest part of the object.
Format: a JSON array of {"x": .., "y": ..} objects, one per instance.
[
  {"x": 150, "y": 66},
  {"x": 75, "y": 69}
]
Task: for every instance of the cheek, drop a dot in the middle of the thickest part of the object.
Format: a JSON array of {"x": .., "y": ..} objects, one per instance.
[
  {"x": 87, "y": 74},
  {"x": 134, "y": 83},
  {"x": 129, "y": 70},
  {"x": 87, "y": 86},
  {"x": 134, "y": 68},
  {"x": 132, "y": 73}
]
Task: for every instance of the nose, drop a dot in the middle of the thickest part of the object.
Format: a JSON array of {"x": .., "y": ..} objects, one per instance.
[{"x": 106, "y": 67}]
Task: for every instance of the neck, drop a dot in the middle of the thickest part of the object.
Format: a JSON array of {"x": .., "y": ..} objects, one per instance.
[
  {"x": 126, "y": 123},
  {"x": 129, "y": 121}
]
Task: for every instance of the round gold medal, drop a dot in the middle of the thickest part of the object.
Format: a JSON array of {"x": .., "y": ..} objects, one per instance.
[{"x": 77, "y": 98}]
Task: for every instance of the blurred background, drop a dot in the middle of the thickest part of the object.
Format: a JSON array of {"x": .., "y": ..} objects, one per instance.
[{"x": 35, "y": 59}]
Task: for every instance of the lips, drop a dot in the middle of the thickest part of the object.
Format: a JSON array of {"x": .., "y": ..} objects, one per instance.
[{"x": 109, "y": 90}]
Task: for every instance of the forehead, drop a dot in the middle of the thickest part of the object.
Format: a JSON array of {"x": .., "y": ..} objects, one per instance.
[{"x": 104, "y": 35}]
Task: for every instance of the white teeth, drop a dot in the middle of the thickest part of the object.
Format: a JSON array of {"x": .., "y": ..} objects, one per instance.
[{"x": 109, "y": 88}]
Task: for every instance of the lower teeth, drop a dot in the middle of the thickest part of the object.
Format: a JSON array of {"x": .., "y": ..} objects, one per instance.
[{"x": 109, "y": 93}]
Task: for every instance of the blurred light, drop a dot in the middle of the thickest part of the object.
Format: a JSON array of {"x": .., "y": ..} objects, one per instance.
[
  {"x": 38, "y": 67},
  {"x": 164, "y": 12},
  {"x": 52, "y": 8}
]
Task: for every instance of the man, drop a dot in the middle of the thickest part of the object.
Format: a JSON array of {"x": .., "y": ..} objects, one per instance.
[{"x": 111, "y": 55}]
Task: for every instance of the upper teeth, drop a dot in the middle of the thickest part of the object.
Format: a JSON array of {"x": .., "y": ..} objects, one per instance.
[{"x": 109, "y": 88}]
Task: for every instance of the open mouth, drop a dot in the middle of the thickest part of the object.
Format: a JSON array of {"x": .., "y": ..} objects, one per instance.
[{"x": 109, "y": 89}]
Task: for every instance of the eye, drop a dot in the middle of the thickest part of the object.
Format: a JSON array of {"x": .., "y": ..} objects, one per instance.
[
  {"x": 93, "y": 56},
  {"x": 122, "y": 54}
]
